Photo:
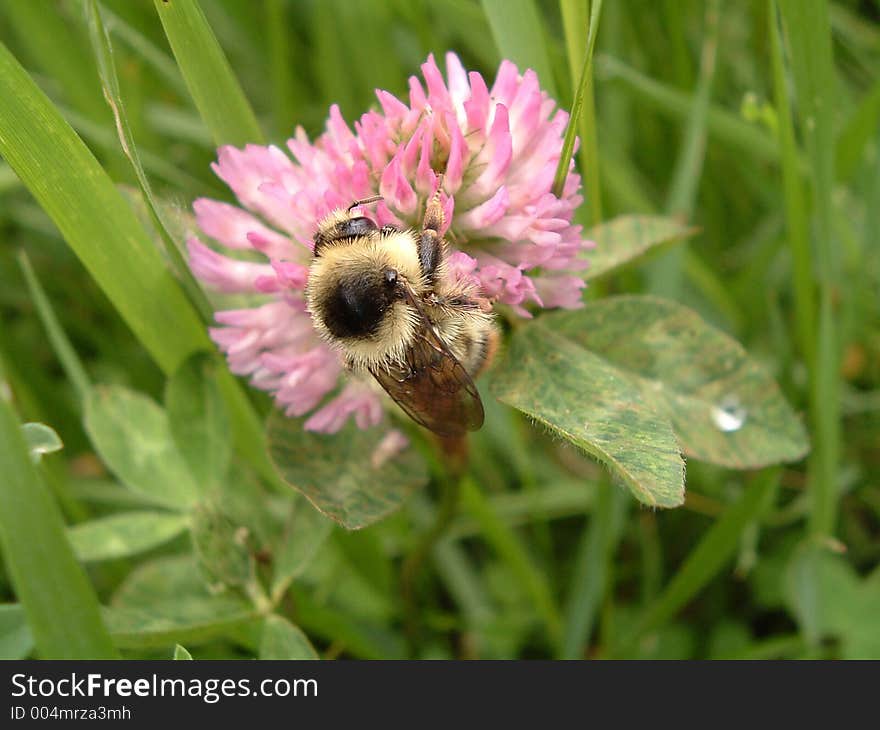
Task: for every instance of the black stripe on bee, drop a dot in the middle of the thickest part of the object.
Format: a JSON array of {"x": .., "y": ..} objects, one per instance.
[{"x": 349, "y": 228}]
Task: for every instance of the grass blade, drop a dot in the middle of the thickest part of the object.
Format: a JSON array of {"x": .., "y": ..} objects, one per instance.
[
  {"x": 519, "y": 34},
  {"x": 727, "y": 127},
  {"x": 140, "y": 44},
  {"x": 512, "y": 551},
  {"x": 40, "y": 560},
  {"x": 455, "y": 569},
  {"x": 360, "y": 638},
  {"x": 581, "y": 45},
  {"x": 583, "y": 96},
  {"x": 105, "y": 140},
  {"x": 795, "y": 204},
  {"x": 213, "y": 86},
  {"x": 64, "y": 351},
  {"x": 688, "y": 168},
  {"x": 592, "y": 569},
  {"x": 283, "y": 84},
  {"x": 666, "y": 273},
  {"x": 110, "y": 83},
  {"x": 94, "y": 219},
  {"x": 808, "y": 29},
  {"x": 60, "y": 51},
  {"x": 717, "y": 548},
  {"x": 15, "y": 635},
  {"x": 103, "y": 231},
  {"x": 858, "y": 132},
  {"x": 786, "y": 646}
]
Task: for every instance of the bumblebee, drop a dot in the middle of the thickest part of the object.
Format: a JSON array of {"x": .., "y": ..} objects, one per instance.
[{"x": 383, "y": 297}]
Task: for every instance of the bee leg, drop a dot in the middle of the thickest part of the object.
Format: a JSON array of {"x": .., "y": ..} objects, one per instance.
[
  {"x": 430, "y": 253},
  {"x": 364, "y": 201},
  {"x": 430, "y": 241}
]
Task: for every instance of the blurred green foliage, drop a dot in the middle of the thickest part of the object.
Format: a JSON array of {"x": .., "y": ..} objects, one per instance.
[{"x": 757, "y": 126}]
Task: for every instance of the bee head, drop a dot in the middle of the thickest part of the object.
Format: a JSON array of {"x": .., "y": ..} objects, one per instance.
[
  {"x": 354, "y": 306},
  {"x": 340, "y": 226},
  {"x": 357, "y": 285}
]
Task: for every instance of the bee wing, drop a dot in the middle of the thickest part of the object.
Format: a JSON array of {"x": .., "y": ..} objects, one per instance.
[{"x": 432, "y": 386}]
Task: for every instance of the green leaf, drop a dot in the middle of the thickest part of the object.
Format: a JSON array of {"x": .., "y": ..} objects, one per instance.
[
  {"x": 108, "y": 493},
  {"x": 340, "y": 473},
  {"x": 724, "y": 407},
  {"x": 305, "y": 533},
  {"x": 189, "y": 619},
  {"x": 166, "y": 601},
  {"x": 94, "y": 219},
  {"x": 124, "y": 534},
  {"x": 816, "y": 583},
  {"x": 181, "y": 653},
  {"x": 829, "y": 599},
  {"x": 16, "y": 641},
  {"x": 40, "y": 439},
  {"x": 199, "y": 420},
  {"x": 282, "y": 640},
  {"x": 132, "y": 436},
  {"x": 207, "y": 73},
  {"x": 580, "y": 397},
  {"x": 519, "y": 35},
  {"x": 39, "y": 559},
  {"x": 626, "y": 239},
  {"x": 160, "y": 581},
  {"x": 221, "y": 546}
]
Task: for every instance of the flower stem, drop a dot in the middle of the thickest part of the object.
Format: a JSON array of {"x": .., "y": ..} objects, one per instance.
[{"x": 454, "y": 456}]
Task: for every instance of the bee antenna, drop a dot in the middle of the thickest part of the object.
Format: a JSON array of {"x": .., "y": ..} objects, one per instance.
[{"x": 365, "y": 201}]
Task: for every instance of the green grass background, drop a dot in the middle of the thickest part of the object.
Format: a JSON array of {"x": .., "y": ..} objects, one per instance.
[{"x": 757, "y": 122}]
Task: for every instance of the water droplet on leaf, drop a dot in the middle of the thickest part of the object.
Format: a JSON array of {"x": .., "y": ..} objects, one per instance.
[{"x": 729, "y": 415}]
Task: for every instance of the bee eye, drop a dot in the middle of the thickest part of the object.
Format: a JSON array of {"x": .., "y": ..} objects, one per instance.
[{"x": 390, "y": 277}]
